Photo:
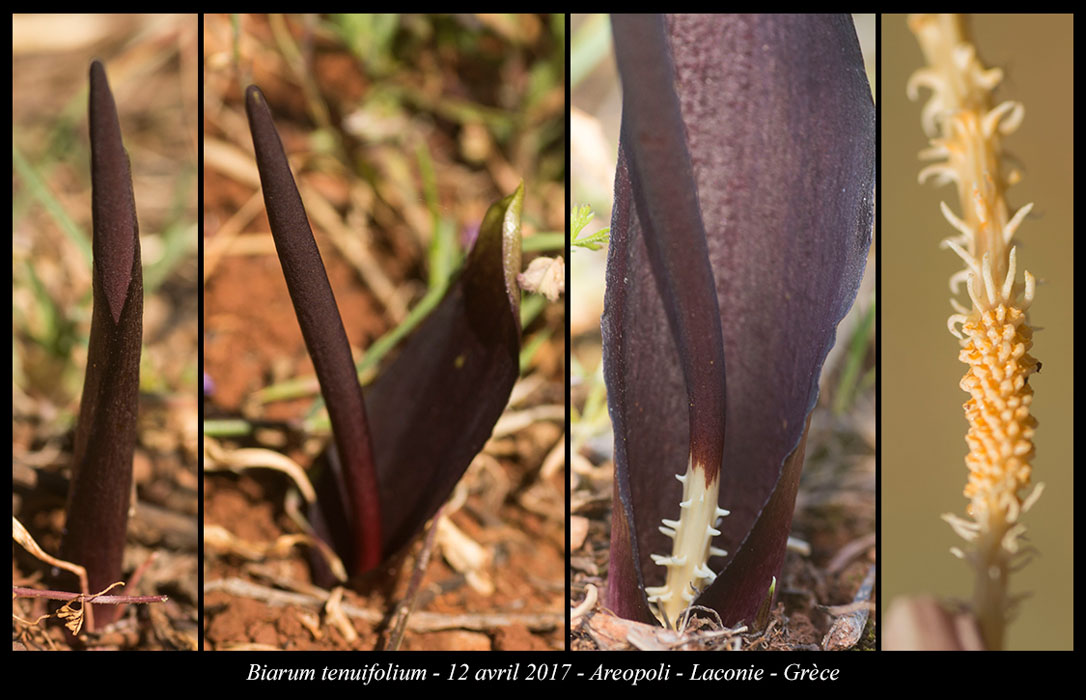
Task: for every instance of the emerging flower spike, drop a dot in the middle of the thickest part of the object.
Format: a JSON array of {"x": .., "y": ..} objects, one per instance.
[
  {"x": 432, "y": 407},
  {"x": 993, "y": 328},
  {"x": 739, "y": 232},
  {"x": 101, "y": 487},
  {"x": 322, "y": 327}
]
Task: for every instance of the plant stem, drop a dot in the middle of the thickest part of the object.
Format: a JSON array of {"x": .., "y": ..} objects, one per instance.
[{"x": 990, "y": 590}]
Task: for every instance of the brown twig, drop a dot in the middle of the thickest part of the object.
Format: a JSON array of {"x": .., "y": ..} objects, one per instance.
[
  {"x": 849, "y": 552},
  {"x": 21, "y": 592},
  {"x": 407, "y": 603},
  {"x": 848, "y": 628}
]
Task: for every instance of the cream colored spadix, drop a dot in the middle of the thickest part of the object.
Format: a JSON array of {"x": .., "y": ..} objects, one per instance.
[
  {"x": 692, "y": 535},
  {"x": 994, "y": 332}
]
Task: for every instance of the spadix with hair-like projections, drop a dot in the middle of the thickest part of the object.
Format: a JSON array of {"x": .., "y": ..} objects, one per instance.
[{"x": 740, "y": 230}]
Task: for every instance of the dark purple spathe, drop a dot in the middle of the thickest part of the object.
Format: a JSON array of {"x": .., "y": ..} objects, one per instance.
[{"x": 777, "y": 124}]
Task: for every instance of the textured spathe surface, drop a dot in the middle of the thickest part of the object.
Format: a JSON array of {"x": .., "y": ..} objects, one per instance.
[{"x": 779, "y": 125}]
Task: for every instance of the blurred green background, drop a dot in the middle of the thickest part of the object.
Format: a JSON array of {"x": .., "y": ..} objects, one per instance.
[
  {"x": 401, "y": 130},
  {"x": 152, "y": 65}
]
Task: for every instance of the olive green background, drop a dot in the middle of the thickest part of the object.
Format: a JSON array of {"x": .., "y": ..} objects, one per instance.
[{"x": 922, "y": 426}]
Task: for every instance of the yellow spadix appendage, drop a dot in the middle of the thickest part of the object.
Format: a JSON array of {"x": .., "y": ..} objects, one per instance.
[
  {"x": 993, "y": 329},
  {"x": 996, "y": 347},
  {"x": 692, "y": 534}
]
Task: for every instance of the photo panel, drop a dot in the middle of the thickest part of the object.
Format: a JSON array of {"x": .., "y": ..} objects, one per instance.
[
  {"x": 723, "y": 336},
  {"x": 992, "y": 102},
  {"x": 425, "y": 508}
]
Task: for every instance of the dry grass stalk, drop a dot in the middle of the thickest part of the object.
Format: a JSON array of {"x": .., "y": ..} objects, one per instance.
[{"x": 994, "y": 331}]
